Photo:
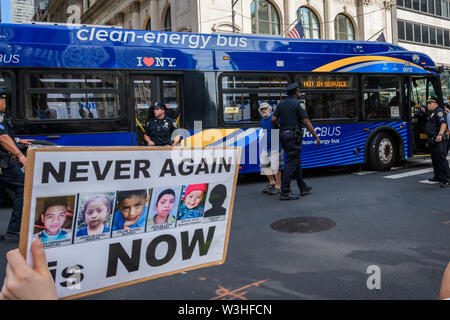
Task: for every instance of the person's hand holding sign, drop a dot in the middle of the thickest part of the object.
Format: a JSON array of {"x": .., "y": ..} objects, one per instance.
[
  {"x": 26, "y": 142},
  {"x": 25, "y": 283}
]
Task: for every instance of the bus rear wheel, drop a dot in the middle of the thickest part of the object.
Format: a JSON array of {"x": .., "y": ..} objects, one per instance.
[{"x": 382, "y": 152}]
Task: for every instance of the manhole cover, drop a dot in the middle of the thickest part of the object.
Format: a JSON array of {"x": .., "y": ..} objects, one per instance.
[{"x": 303, "y": 225}]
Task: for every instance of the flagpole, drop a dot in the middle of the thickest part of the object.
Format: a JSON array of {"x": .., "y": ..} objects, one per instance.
[
  {"x": 233, "y": 14},
  {"x": 375, "y": 34},
  {"x": 289, "y": 27}
]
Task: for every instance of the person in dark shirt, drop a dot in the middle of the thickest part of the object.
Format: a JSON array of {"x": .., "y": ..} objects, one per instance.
[
  {"x": 290, "y": 117},
  {"x": 160, "y": 128},
  {"x": 436, "y": 127},
  {"x": 11, "y": 176}
]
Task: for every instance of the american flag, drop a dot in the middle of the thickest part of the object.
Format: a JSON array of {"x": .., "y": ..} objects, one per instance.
[{"x": 297, "y": 31}]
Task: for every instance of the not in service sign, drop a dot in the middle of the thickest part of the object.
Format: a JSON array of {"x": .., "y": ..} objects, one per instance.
[{"x": 115, "y": 216}]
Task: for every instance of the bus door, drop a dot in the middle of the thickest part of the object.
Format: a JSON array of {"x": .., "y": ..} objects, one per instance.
[
  {"x": 148, "y": 89},
  {"x": 170, "y": 88},
  {"x": 143, "y": 97},
  {"x": 421, "y": 89}
]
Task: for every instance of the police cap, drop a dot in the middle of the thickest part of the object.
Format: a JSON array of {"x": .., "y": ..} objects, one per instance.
[
  {"x": 2, "y": 94},
  {"x": 433, "y": 99},
  {"x": 292, "y": 86},
  {"x": 159, "y": 105}
]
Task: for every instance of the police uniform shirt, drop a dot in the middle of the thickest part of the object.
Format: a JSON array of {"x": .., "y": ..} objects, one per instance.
[
  {"x": 5, "y": 128},
  {"x": 290, "y": 114},
  {"x": 434, "y": 121},
  {"x": 160, "y": 130}
]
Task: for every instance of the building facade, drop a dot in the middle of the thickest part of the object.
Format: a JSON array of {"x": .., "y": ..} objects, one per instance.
[
  {"x": 22, "y": 11},
  {"x": 40, "y": 10},
  {"x": 326, "y": 19},
  {"x": 424, "y": 25},
  {"x": 419, "y": 25}
]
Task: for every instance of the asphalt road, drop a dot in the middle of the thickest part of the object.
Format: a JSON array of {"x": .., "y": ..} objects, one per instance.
[{"x": 391, "y": 220}]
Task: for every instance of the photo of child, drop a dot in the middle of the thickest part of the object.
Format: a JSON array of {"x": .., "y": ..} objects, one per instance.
[
  {"x": 94, "y": 216},
  {"x": 131, "y": 212},
  {"x": 163, "y": 209},
  {"x": 54, "y": 218},
  {"x": 192, "y": 201}
]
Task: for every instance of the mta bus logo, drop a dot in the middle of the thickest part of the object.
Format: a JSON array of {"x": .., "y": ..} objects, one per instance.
[{"x": 156, "y": 62}]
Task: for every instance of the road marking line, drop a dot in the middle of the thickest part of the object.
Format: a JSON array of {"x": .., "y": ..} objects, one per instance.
[
  {"x": 428, "y": 182},
  {"x": 408, "y": 174},
  {"x": 363, "y": 173},
  {"x": 226, "y": 294}
]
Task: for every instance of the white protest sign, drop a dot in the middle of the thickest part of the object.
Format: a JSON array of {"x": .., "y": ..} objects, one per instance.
[{"x": 114, "y": 216}]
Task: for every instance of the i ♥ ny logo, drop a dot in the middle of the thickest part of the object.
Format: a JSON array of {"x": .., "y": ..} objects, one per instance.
[
  {"x": 149, "y": 61},
  {"x": 155, "y": 62}
]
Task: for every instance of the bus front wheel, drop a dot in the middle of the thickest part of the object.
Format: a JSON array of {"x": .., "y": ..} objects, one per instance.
[{"x": 382, "y": 152}]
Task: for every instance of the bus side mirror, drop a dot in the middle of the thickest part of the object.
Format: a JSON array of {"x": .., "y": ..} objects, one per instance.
[{"x": 437, "y": 69}]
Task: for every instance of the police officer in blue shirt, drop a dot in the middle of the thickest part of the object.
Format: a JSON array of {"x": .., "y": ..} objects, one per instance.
[
  {"x": 160, "y": 128},
  {"x": 436, "y": 127},
  {"x": 290, "y": 117},
  {"x": 11, "y": 176}
]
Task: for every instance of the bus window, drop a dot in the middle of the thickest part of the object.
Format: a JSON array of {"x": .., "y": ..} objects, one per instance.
[
  {"x": 236, "y": 107},
  {"x": 143, "y": 93},
  {"x": 6, "y": 84},
  {"x": 422, "y": 88},
  {"x": 69, "y": 106},
  {"x": 325, "y": 105},
  {"x": 171, "y": 99},
  {"x": 5, "y": 81},
  {"x": 381, "y": 97},
  {"x": 419, "y": 91},
  {"x": 71, "y": 96},
  {"x": 72, "y": 81},
  {"x": 254, "y": 81},
  {"x": 242, "y": 95},
  {"x": 244, "y": 107},
  {"x": 144, "y": 98},
  {"x": 328, "y": 96},
  {"x": 431, "y": 90}
]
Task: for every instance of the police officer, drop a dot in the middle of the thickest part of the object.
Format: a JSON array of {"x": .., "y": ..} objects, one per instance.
[
  {"x": 160, "y": 128},
  {"x": 436, "y": 127},
  {"x": 447, "y": 112},
  {"x": 291, "y": 117},
  {"x": 11, "y": 176}
]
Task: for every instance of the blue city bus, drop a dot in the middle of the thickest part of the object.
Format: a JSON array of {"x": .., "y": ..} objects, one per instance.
[{"x": 94, "y": 86}]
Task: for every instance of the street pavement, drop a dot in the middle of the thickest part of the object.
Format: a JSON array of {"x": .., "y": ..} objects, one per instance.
[{"x": 394, "y": 222}]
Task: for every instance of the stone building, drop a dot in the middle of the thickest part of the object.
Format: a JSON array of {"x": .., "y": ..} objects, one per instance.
[
  {"x": 424, "y": 25},
  {"x": 21, "y": 11},
  {"x": 338, "y": 19},
  {"x": 420, "y": 25}
]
